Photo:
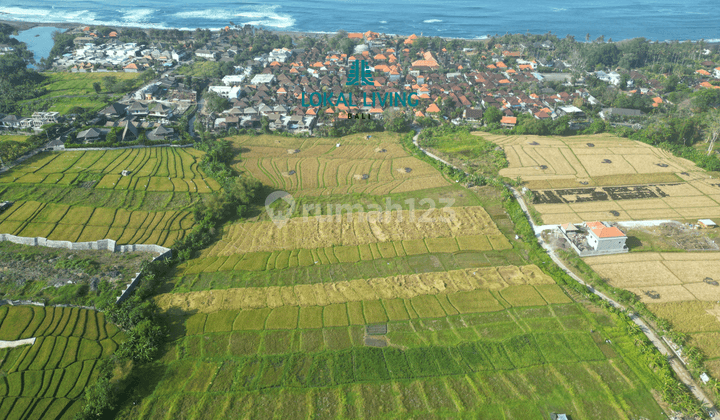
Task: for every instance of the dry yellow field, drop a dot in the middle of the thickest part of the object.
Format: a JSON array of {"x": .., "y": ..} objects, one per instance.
[
  {"x": 688, "y": 200},
  {"x": 556, "y": 159},
  {"x": 554, "y": 163},
  {"x": 352, "y": 229},
  {"x": 318, "y": 166},
  {"x": 673, "y": 276},
  {"x": 323, "y": 294}
]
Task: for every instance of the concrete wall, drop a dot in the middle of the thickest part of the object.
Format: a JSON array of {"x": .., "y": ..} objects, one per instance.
[{"x": 102, "y": 245}]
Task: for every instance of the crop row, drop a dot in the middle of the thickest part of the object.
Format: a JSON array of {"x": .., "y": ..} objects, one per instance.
[
  {"x": 18, "y": 322},
  {"x": 363, "y": 312},
  {"x": 81, "y": 224},
  {"x": 158, "y": 161},
  {"x": 362, "y": 364},
  {"x": 528, "y": 394},
  {"x": 278, "y": 260},
  {"x": 46, "y": 379},
  {"x": 427, "y": 295}
]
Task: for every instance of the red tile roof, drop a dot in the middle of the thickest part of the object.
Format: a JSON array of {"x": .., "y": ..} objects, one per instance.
[{"x": 608, "y": 232}]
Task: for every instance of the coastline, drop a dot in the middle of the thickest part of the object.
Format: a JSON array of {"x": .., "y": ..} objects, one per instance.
[{"x": 23, "y": 26}]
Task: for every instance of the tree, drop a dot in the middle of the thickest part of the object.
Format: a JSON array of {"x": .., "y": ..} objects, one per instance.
[
  {"x": 97, "y": 87},
  {"x": 215, "y": 103},
  {"x": 492, "y": 115},
  {"x": 112, "y": 135}
]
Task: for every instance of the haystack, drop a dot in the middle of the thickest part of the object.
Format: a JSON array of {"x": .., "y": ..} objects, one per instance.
[
  {"x": 289, "y": 173},
  {"x": 293, "y": 151},
  {"x": 404, "y": 170},
  {"x": 379, "y": 150},
  {"x": 363, "y": 176}
]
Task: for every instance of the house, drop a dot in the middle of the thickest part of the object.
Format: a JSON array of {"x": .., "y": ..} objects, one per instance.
[
  {"x": 603, "y": 238},
  {"x": 229, "y": 92},
  {"x": 554, "y": 416},
  {"x": 137, "y": 110},
  {"x": 606, "y": 113},
  {"x": 569, "y": 227},
  {"x": 115, "y": 110},
  {"x": 508, "y": 122},
  {"x": 208, "y": 55},
  {"x": 10, "y": 121},
  {"x": 55, "y": 145},
  {"x": 706, "y": 224},
  {"x": 160, "y": 111},
  {"x": 132, "y": 68},
  {"x": 472, "y": 114},
  {"x": 162, "y": 133},
  {"x": 233, "y": 79},
  {"x": 92, "y": 135},
  {"x": 130, "y": 132},
  {"x": 263, "y": 79}
]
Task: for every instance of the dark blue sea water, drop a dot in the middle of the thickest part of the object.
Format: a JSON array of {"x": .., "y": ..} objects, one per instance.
[{"x": 616, "y": 19}]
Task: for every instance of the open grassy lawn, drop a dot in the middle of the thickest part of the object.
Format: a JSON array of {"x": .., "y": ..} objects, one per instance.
[
  {"x": 18, "y": 138},
  {"x": 46, "y": 380},
  {"x": 63, "y": 83}
]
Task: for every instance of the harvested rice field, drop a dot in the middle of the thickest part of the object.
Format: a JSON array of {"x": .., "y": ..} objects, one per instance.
[
  {"x": 662, "y": 277},
  {"x": 351, "y": 164},
  {"x": 697, "y": 198},
  {"x": 603, "y": 177},
  {"x": 353, "y": 229},
  {"x": 323, "y": 294},
  {"x": 546, "y": 162}
]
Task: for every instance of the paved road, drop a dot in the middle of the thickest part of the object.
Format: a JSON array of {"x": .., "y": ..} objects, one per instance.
[{"x": 676, "y": 364}]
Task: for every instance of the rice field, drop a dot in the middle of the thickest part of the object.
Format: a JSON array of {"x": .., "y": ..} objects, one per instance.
[
  {"x": 82, "y": 196},
  {"x": 353, "y": 229},
  {"x": 46, "y": 380},
  {"x": 576, "y": 179},
  {"x": 323, "y": 294},
  {"x": 546, "y": 162},
  {"x": 662, "y": 277},
  {"x": 350, "y": 164},
  {"x": 696, "y": 198},
  {"x": 302, "y": 363},
  {"x": 81, "y": 224},
  {"x": 163, "y": 169}
]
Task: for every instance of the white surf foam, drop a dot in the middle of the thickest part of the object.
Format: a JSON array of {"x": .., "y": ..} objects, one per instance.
[{"x": 432, "y": 20}]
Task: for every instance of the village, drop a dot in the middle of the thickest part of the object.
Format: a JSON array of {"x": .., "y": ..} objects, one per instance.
[{"x": 265, "y": 91}]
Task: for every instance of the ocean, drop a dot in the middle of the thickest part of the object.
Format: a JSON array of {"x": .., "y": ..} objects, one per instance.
[{"x": 616, "y": 19}]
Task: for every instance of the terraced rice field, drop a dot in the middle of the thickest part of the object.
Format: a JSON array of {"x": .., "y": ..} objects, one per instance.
[
  {"x": 80, "y": 224},
  {"x": 46, "y": 380},
  {"x": 82, "y": 196},
  {"x": 151, "y": 169},
  {"x": 377, "y": 166}
]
